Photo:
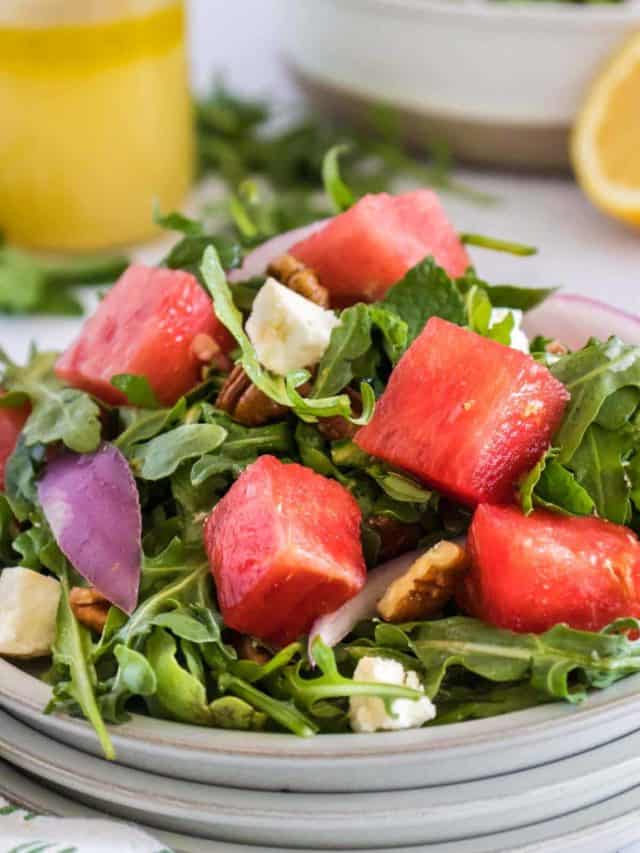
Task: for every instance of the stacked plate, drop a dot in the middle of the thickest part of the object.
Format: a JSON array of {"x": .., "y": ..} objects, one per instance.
[{"x": 568, "y": 777}]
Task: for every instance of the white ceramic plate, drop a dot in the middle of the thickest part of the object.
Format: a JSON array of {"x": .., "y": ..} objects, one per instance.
[
  {"x": 348, "y": 823},
  {"x": 335, "y": 763}
]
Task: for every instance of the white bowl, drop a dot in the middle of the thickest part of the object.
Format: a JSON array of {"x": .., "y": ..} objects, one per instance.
[{"x": 499, "y": 81}]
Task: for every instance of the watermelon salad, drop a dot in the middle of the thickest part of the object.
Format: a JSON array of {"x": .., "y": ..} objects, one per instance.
[{"x": 324, "y": 484}]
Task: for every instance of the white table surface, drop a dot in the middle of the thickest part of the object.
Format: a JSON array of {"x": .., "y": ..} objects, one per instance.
[{"x": 579, "y": 248}]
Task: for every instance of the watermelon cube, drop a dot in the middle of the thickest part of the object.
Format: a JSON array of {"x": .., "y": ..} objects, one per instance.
[
  {"x": 361, "y": 253},
  {"x": 145, "y": 325},
  {"x": 465, "y": 414},
  {"x": 284, "y": 548},
  {"x": 11, "y": 422},
  {"x": 528, "y": 573}
]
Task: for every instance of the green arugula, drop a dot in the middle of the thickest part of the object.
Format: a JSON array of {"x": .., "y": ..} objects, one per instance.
[
  {"x": 599, "y": 438},
  {"x": 29, "y": 285},
  {"x": 341, "y": 196}
]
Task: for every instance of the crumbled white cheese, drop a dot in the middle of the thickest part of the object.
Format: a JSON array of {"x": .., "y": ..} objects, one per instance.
[
  {"x": 28, "y": 608},
  {"x": 518, "y": 338},
  {"x": 288, "y": 331},
  {"x": 369, "y": 714}
]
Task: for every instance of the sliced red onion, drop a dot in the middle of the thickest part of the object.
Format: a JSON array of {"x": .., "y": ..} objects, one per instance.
[
  {"x": 91, "y": 503},
  {"x": 259, "y": 259},
  {"x": 573, "y": 319},
  {"x": 334, "y": 627}
]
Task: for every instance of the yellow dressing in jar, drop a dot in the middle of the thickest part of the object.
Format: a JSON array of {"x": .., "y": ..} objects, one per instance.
[{"x": 95, "y": 119}]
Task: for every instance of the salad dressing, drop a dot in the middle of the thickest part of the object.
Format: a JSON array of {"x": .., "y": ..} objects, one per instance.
[{"x": 96, "y": 120}]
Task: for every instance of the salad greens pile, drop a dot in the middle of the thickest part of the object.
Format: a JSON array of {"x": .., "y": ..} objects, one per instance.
[{"x": 174, "y": 658}]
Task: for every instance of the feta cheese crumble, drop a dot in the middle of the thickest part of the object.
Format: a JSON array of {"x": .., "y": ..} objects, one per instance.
[
  {"x": 518, "y": 340},
  {"x": 369, "y": 714},
  {"x": 28, "y": 609},
  {"x": 288, "y": 331}
]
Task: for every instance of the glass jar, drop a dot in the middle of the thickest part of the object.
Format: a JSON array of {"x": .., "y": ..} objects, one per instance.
[{"x": 95, "y": 119}]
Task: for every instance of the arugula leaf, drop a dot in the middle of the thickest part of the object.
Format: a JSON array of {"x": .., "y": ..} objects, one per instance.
[
  {"x": 142, "y": 425},
  {"x": 138, "y": 390},
  {"x": 310, "y": 691},
  {"x": 177, "y": 221},
  {"x": 478, "y": 307},
  {"x": 187, "y": 253},
  {"x": 341, "y": 196},
  {"x": 8, "y": 532},
  {"x": 284, "y": 713},
  {"x": 179, "y": 695},
  {"x": 72, "y": 651},
  {"x": 349, "y": 341},
  {"x": 498, "y": 245},
  {"x": 63, "y": 414},
  {"x": 426, "y": 291},
  {"x": 506, "y": 295},
  {"x": 552, "y": 486},
  {"x": 459, "y": 703},
  {"x": 21, "y": 473},
  {"x": 591, "y": 375},
  {"x": 395, "y": 332},
  {"x": 599, "y": 465},
  {"x": 161, "y": 456}
]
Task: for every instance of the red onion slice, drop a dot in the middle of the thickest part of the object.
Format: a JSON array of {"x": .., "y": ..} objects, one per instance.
[
  {"x": 92, "y": 506},
  {"x": 573, "y": 319},
  {"x": 259, "y": 259}
]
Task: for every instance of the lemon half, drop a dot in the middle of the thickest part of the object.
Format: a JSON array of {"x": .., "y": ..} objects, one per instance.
[{"x": 605, "y": 145}]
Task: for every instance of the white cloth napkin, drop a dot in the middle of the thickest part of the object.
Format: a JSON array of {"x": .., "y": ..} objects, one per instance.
[{"x": 28, "y": 833}]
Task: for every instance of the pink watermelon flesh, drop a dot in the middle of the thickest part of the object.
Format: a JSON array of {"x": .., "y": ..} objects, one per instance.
[
  {"x": 465, "y": 414},
  {"x": 145, "y": 325},
  {"x": 361, "y": 253},
  {"x": 284, "y": 548}
]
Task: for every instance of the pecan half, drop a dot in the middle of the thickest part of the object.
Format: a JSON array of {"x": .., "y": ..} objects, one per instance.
[
  {"x": 303, "y": 280},
  {"x": 396, "y": 537},
  {"x": 90, "y": 607},
  {"x": 427, "y": 586},
  {"x": 249, "y": 648},
  {"x": 337, "y": 428},
  {"x": 246, "y": 403}
]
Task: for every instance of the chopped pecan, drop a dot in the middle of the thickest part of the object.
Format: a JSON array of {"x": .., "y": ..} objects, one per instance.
[
  {"x": 246, "y": 403},
  {"x": 556, "y": 348},
  {"x": 427, "y": 586},
  {"x": 395, "y": 537},
  {"x": 336, "y": 427},
  {"x": 292, "y": 273},
  {"x": 248, "y": 648},
  {"x": 90, "y": 607}
]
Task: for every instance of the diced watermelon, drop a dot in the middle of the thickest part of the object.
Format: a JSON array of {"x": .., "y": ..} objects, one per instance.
[
  {"x": 361, "y": 253},
  {"x": 284, "y": 548},
  {"x": 465, "y": 414},
  {"x": 11, "y": 422},
  {"x": 145, "y": 325},
  {"x": 529, "y": 573}
]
